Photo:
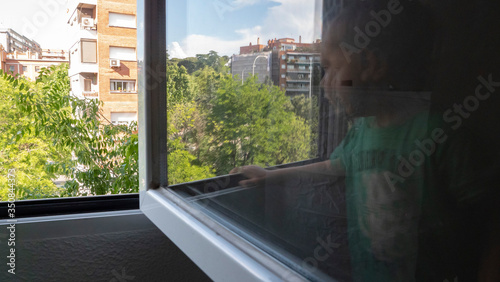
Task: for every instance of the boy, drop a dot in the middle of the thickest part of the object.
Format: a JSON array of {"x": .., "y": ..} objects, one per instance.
[{"x": 410, "y": 182}]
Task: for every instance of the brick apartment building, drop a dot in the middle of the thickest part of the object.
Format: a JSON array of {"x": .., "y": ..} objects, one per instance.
[
  {"x": 103, "y": 59},
  {"x": 291, "y": 64}
]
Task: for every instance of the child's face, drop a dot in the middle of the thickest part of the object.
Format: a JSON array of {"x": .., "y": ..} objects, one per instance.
[
  {"x": 340, "y": 77},
  {"x": 346, "y": 81}
]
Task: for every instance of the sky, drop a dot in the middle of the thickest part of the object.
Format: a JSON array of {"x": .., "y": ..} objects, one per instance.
[
  {"x": 43, "y": 21},
  {"x": 193, "y": 26}
]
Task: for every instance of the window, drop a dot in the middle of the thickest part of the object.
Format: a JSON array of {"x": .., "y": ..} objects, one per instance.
[
  {"x": 122, "y": 20},
  {"x": 291, "y": 67},
  {"x": 122, "y": 86},
  {"x": 303, "y": 223},
  {"x": 283, "y": 57},
  {"x": 37, "y": 68},
  {"x": 25, "y": 69},
  {"x": 87, "y": 85},
  {"x": 283, "y": 76},
  {"x": 89, "y": 51},
  {"x": 122, "y": 53},
  {"x": 12, "y": 68},
  {"x": 123, "y": 118},
  {"x": 283, "y": 66}
]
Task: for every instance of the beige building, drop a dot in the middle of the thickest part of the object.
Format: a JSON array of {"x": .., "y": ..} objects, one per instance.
[
  {"x": 103, "y": 59},
  {"x": 29, "y": 64}
]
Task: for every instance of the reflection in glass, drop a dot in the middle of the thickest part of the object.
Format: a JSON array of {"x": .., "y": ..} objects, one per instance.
[{"x": 349, "y": 157}]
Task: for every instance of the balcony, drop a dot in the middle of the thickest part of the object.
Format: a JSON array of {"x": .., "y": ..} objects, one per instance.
[
  {"x": 297, "y": 71},
  {"x": 77, "y": 67},
  {"x": 297, "y": 79},
  {"x": 91, "y": 94}
]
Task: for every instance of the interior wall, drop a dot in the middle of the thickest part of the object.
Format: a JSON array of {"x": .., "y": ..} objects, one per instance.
[{"x": 119, "y": 246}]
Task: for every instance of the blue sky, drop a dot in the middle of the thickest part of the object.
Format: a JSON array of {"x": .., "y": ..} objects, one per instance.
[
  {"x": 198, "y": 26},
  {"x": 193, "y": 26}
]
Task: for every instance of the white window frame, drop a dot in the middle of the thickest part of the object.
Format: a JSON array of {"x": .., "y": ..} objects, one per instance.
[
  {"x": 113, "y": 85},
  {"x": 231, "y": 258}
]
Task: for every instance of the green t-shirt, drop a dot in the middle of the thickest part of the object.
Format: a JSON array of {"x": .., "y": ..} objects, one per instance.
[{"x": 405, "y": 186}]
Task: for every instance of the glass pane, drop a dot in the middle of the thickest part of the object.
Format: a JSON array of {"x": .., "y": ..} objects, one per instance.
[
  {"x": 64, "y": 146},
  {"x": 351, "y": 140}
]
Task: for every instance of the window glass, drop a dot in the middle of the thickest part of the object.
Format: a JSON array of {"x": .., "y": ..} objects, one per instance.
[
  {"x": 56, "y": 135},
  {"x": 377, "y": 165},
  {"x": 122, "y": 86}
]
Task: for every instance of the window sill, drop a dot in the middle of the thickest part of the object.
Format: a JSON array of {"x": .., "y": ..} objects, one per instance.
[
  {"x": 220, "y": 253},
  {"x": 116, "y": 92},
  {"x": 71, "y": 206}
]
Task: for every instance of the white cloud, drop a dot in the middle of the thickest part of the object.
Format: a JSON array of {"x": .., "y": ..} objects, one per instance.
[
  {"x": 175, "y": 51},
  {"x": 243, "y": 3},
  {"x": 290, "y": 18}
]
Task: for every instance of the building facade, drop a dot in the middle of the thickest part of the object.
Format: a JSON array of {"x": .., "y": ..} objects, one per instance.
[
  {"x": 29, "y": 64},
  {"x": 246, "y": 65},
  {"x": 13, "y": 41},
  {"x": 290, "y": 65},
  {"x": 103, "y": 60}
]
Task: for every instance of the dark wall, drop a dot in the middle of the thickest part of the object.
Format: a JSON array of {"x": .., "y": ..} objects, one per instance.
[{"x": 126, "y": 247}]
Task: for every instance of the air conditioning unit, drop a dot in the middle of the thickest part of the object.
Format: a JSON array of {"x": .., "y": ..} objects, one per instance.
[
  {"x": 114, "y": 63},
  {"x": 88, "y": 22}
]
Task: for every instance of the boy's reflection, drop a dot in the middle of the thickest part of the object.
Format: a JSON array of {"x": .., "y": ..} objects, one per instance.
[{"x": 409, "y": 180}]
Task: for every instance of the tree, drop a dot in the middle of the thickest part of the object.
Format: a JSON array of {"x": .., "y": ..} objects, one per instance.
[
  {"x": 25, "y": 154},
  {"x": 101, "y": 158},
  {"x": 249, "y": 124}
]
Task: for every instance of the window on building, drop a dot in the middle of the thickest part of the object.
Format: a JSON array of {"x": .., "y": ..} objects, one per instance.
[
  {"x": 283, "y": 57},
  {"x": 122, "y": 53},
  {"x": 283, "y": 66},
  {"x": 122, "y": 86},
  {"x": 25, "y": 69},
  {"x": 87, "y": 85},
  {"x": 283, "y": 75},
  {"x": 122, "y": 20},
  {"x": 121, "y": 118},
  {"x": 89, "y": 51},
  {"x": 12, "y": 68},
  {"x": 37, "y": 68}
]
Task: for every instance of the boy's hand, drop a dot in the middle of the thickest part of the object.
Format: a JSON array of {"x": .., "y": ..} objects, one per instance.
[{"x": 255, "y": 174}]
